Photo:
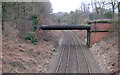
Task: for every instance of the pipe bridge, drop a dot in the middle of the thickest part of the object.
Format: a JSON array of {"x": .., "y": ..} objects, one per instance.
[{"x": 68, "y": 27}]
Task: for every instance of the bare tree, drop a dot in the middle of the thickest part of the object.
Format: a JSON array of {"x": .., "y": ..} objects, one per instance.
[
  {"x": 99, "y": 6},
  {"x": 84, "y": 7},
  {"x": 113, "y": 3},
  {"x": 119, "y": 9},
  {"x": 119, "y": 16}
]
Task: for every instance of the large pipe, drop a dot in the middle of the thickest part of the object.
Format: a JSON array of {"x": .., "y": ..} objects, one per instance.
[
  {"x": 67, "y": 27},
  {"x": 64, "y": 27}
]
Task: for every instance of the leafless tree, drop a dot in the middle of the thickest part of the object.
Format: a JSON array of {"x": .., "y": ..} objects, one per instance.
[
  {"x": 114, "y": 4},
  {"x": 99, "y": 5},
  {"x": 119, "y": 16}
]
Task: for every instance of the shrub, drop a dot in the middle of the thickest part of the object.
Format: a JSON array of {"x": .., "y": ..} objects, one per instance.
[
  {"x": 35, "y": 20},
  {"x": 2, "y": 24},
  {"x": 32, "y": 37},
  {"x": 34, "y": 16}
]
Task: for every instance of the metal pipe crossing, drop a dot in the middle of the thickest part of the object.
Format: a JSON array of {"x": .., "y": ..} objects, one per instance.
[
  {"x": 67, "y": 27},
  {"x": 64, "y": 27}
]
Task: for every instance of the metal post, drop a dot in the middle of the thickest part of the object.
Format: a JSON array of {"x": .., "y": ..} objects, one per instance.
[{"x": 88, "y": 37}]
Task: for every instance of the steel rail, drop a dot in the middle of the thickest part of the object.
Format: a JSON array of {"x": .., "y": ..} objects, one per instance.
[
  {"x": 83, "y": 53},
  {"x": 68, "y": 58},
  {"x": 77, "y": 55},
  {"x": 61, "y": 57}
]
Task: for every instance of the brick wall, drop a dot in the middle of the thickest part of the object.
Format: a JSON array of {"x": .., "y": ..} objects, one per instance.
[{"x": 97, "y": 36}]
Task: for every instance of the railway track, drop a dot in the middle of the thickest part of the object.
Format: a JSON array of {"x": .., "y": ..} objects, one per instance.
[
  {"x": 72, "y": 58},
  {"x": 85, "y": 57}
]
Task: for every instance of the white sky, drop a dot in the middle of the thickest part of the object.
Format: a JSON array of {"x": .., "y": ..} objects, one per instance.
[
  {"x": 65, "y": 5},
  {"x": 68, "y": 5}
]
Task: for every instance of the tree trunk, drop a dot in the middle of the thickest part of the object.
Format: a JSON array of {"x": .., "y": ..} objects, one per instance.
[
  {"x": 119, "y": 31},
  {"x": 119, "y": 16},
  {"x": 113, "y": 9},
  {"x": 119, "y": 10}
]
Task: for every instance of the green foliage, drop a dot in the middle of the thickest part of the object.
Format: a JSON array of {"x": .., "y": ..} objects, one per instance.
[
  {"x": 6, "y": 35},
  {"x": 4, "y": 7},
  {"x": 108, "y": 14},
  {"x": 35, "y": 20},
  {"x": 71, "y": 12},
  {"x": 15, "y": 64},
  {"x": 3, "y": 21},
  {"x": 14, "y": 70},
  {"x": 32, "y": 37},
  {"x": 34, "y": 16},
  {"x": 3, "y": 14}
]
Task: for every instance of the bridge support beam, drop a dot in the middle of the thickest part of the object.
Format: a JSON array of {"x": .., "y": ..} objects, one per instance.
[{"x": 88, "y": 37}]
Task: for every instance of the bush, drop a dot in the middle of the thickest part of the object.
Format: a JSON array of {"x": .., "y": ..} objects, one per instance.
[
  {"x": 35, "y": 20},
  {"x": 32, "y": 37},
  {"x": 2, "y": 24},
  {"x": 34, "y": 16}
]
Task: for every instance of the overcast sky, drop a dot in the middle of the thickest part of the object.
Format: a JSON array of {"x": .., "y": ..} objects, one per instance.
[
  {"x": 69, "y": 5},
  {"x": 65, "y": 5}
]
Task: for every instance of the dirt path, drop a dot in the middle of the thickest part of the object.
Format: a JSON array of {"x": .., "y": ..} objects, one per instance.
[{"x": 73, "y": 57}]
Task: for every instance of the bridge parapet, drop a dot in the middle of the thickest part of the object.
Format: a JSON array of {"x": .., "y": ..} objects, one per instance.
[{"x": 99, "y": 30}]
